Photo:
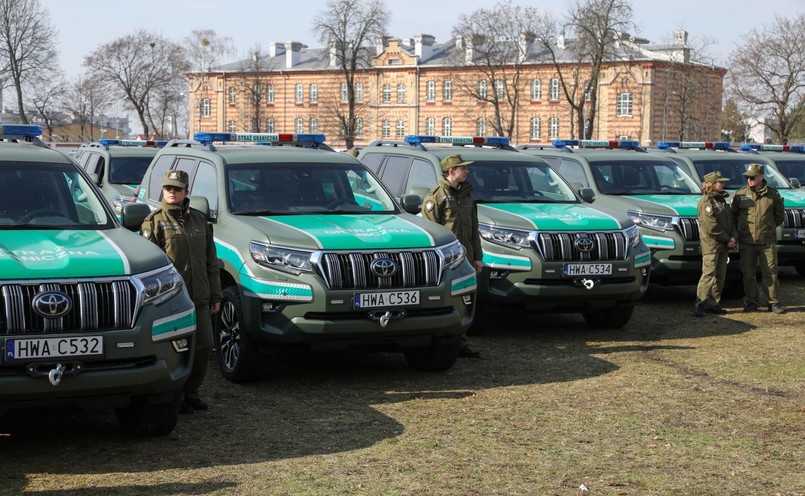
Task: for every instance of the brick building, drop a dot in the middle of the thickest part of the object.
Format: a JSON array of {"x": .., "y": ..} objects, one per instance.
[{"x": 648, "y": 92}]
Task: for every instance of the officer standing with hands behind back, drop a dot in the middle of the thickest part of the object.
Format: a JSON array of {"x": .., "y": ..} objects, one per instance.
[
  {"x": 186, "y": 237},
  {"x": 717, "y": 236},
  {"x": 758, "y": 209},
  {"x": 450, "y": 204}
]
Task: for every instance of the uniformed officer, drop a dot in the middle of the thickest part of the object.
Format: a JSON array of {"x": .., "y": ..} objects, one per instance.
[
  {"x": 450, "y": 204},
  {"x": 186, "y": 237},
  {"x": 758, "y": 209},
  {"x": 717, "y": 236}
]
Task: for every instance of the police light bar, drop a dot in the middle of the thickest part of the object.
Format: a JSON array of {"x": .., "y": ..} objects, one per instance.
[
  {"x": 414, "y": 139},
  {"x": 626, "y": 144},
  {"x": 261, "y": 137},
  {"x": 694, "y": 145},
  {"x": 773, "y": 148},
  {"x": 20, "y": 130},
  {"x": 118, "y": 142}
]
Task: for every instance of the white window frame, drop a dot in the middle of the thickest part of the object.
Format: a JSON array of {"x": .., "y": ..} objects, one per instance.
[
  {"x": 535, "y": 128},
  {"x": 447, "y": 91},
  {"x": 483, "y": 88},
  {"x": 233, "y": 96},
  {"x": 343, "y": 93},
  {"x": 430, "y": 91},
  {"x": 447, "y": 126},
  {"x": 400, "y": 130},
  {"x": 205, "y": 107},
  {"x": 270, "y": 93},
  {"x": 386, "y": 93},
  {"x": 623, "y": 104},
  {"x": 400, "y": 93},
  {"x": 358, "y": 92},
  {"x": 553, "y": 128},
  {"x": 480, "y": 126},
  {"x": 553, "y": 91},
  {"x": 385, "y": 129},
  {"x": 270, "y": 125},
  {"x": 299, "y": 125},
  {"x": 430, "y": 126},
  {"x": 299, "y": 93},
  {"x": 313, "y": 92},
  {"x": 536, "y": 89}
]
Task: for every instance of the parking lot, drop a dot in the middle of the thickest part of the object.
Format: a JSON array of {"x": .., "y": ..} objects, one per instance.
[{"x": 669, "y": 405}]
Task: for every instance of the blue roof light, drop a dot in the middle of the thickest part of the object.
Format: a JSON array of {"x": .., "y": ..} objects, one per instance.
[
  {"x": 413, "y": 139},
  {"x": 210, "y": 137},
  {"x": 416, "y": 139},
  {"x": 563, "y": 143},
  {"x": 29, "y": 130}
]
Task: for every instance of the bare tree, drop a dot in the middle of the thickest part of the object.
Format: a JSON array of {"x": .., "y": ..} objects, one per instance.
[
  {"x": 348, "y": 28},
  {"x": 496, "y": 47},
  {"x": 46, "y": 100},
  {"x": 27, "y": 52},
  {"x": 204, "y": 49},
  {"x": 140, "y": 65},
  {"x": 578, "y": 49},
  {"x": 767, "y": 74},
  {"x": 733, "y": 123},
  {"x": 256, "y": 68},
  {"x": 83, "y": 100}
]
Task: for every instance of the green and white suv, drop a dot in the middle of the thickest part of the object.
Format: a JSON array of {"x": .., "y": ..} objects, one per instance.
[
  {"x": 91, "y": 314},
  {"x": 653, "y": 190},
  {"x": 316, "y": 255},
  {"x": 544, "y": 248}
]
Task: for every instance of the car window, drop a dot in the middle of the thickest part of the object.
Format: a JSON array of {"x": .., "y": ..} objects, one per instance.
[
  {"x": 521, "y": 182},
  {"x": 206, "y": 185},
  {"x": 734, "y": 169},
  {"x": 161, "y": 164},
  {"x": 422, "y": 178},
  {"x": 372, "y": 161},
  {"x": 90, "y": 161},
  {"x": 642, "y": 178},
  {"x": 573, "y": 172},
  {"x": 128, "y": 170},
  {"x": 394, "y": 173},
  {"x": 792, "y": 168}
]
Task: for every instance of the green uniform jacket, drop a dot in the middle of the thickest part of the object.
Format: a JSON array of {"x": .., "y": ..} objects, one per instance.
[
  {"x": 757, "y": 214},
  {"x": 186, "y": 237},
  {"x": 455, "y": 209},
  {"x": 715, "y": 223}
]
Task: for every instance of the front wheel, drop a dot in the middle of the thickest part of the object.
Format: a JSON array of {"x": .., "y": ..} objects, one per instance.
[
  {"x": 238, "y": 356},
  {"x": 436, "y": 357},
  {"x": 145, "y": 418},
  {"x": 609, "y": 318}
]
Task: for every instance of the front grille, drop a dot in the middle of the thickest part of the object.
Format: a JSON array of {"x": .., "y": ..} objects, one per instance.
[
  {"x": 554, "y": 247},
  {"x": 95, "y": 305},
  {"x": 352, "y": 270},
  {"x": 688, "y": 227},
  {"x": 794, "y": 217}
]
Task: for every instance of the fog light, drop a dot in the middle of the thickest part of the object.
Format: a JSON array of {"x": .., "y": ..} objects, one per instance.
[
  {"x": 181, "y": 344},
  {"x": 644, "y": 272},
  {"x": 272, "y": 307},
  {"x": 467, "y": 299},
  {"x": 498, "y": 274}
]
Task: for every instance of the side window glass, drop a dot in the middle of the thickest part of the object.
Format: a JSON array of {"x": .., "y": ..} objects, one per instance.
[
  {"x": 188, "y": 165},
  {"x": 162, "y": 164},
  {"x": 394, "y": 173},
  {"x": 573, "y": 173},
  {"x": 422, "y": 178},
  {"x": 90, "y": 161},
  {"x": 205, "y": 185},
  {"x": 372, "y": 161}
]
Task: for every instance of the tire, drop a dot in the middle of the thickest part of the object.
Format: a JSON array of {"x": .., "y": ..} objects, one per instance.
[
  {"x": 145, "y": 418},
  {"x": 437, "y": 357},
  {"x": 609, "y": 318},
  {"x": 238, "y": 356},
  {"x": 800, "y": 269}
]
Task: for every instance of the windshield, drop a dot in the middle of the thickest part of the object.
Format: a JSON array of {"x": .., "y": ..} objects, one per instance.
[
  {"x": 734, "y": 169},
  {"x": 277, "y": 189},
  {"x": 128, "y": 170},
  {"x": 517, "y": 182},
  {"x": 792, "y": 168},
  {"x": 642, "y": 178},
  {"x": 48, "y": 196}
]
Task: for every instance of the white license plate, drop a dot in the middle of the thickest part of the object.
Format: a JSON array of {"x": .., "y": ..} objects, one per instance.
[
  {"x": 586, "y": 269},
  {"x": 799, "y": 234},
  {"x": 387, "y": 299},
  {"x": 44, "y": 348}
]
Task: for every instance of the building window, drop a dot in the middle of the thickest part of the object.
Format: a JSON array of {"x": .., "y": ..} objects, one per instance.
[
  {"x": 385, "y": 129},
  {"x": 299, "y": 93},
  {"x": 359, "y": 126},
  {"x": 256, "y": 93},
  {"x": 233, "y": 96},
  {"x": 553, "y": 91},
  {"x": 482, "y": 89},
  {"x": 205, "y": 107},
  {"x": 313, "y": 125},
  {"x": 480, "y": 126},
  {"x": 447, "y": 91},
  {"x": 430, "y": 126},
  {"x": 447, "y": 126},
  {"x": 314, "y": 93},
  {"x": 623, "y": 105},
  {"x": 553, "y": 128},
  {"x": 430, "y": 91},
  {"x": 535, "y": 128},
  {"x": 358, "y": 92},
  {"x": 270, "y": 125},
  {"x": 269, "y": 93},
  {"x": 588, "y": 95},
  {"x": 536, "y": 89},
  {"x": 299, "y": 125},
  {"x": 386, "y": 93},
  {"x": 343, "y": 92},
  {"x": 400, "y": 93},
  {"x": 232, "y": 127},
  {"x": 401, "y": 128},
  {"x": 500, "y": 89}
]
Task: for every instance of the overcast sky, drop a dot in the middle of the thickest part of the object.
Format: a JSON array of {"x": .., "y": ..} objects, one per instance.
[{"x": 83, "y": 25}]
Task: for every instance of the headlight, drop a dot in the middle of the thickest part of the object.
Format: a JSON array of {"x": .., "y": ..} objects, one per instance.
[
  {"x": 512, "y": 238},
  {"x": 453, "y": 254},
  {"x": 160, "y": 286},
  {"x": 633, "y": 235},
  {"x": 659, "y": 222},
  {"x": 284, "y": 259}
]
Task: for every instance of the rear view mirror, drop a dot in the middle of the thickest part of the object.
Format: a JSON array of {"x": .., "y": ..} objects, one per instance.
[
  {"x": 411, "y": 203},
  {"x": 587, "y": 194}
]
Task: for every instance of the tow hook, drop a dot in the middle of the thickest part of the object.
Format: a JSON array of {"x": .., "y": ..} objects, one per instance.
[
  {"x": 386, "y": 316},
  {"x": 54, "y": 372},
  {"x": 586, "y": 283}
]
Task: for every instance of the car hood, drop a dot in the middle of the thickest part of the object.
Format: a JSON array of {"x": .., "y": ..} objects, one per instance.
[
  {"x": 549, "y": 217},
  {"x": 678, "y": 205},
  {"x": 793, "y": 198},
  {"x": 45, "y": 254}
]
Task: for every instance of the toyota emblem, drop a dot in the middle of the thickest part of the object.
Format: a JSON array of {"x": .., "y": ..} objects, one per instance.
[
  {"x": 584, "y": 244},
  {"x": 383, "y": 267},
  {"x": 52, "y": 304}
]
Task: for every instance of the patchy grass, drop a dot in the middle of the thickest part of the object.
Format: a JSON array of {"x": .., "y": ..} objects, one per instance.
[{"x": 671, "y": 405}]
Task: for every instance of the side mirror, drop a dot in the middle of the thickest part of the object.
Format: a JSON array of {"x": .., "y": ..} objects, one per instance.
[
  {"x": 794, "y": 182},
  {"x": 587, "y": 194},
  {"x": 411, "y": 203},
  {"x": 201, "y": 204},
  {"x": 95, "y": 178},
  {"x": 132, "y": 215}
]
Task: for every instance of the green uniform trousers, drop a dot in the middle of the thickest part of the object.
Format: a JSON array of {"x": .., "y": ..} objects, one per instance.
[
  {"x": 765, "y": 258},
  {"x": 202, "y": 347},
  {"x": 711, "y": 282}
]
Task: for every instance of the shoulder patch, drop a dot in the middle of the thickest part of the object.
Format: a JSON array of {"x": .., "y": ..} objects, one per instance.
[
  {"x": 708, "y": 209},
  {"x": 429, "y": 206}
]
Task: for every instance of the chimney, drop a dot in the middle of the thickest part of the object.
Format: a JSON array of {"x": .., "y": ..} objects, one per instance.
[
  {"x": 523, "y": 42},
  {"x": 423, "y": 46},
  {"x": 380, "y": 44},
  {"x": 333, "y": 54},
  {"x": 681, "y": 38},
  {"x": 292, "y": 49},
  {"x": 560, "y": 42},
  {"x": 470, "y": 42},
  {"x": 275, "y": 49}
]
